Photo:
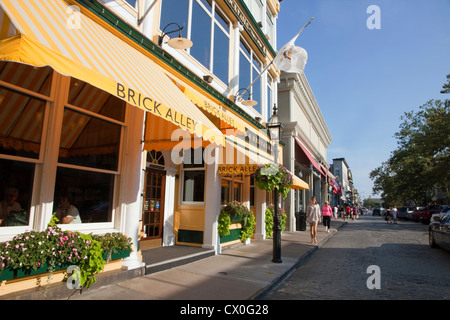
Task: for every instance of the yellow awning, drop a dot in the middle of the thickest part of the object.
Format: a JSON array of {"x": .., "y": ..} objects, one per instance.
[
  {"x": 51, "y": 33},
  {"x": 299, "y": 183}
]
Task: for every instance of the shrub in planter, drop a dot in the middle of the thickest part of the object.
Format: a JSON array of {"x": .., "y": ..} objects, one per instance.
[
  {"x": 55, "y": 248},
  {"x": 269, "y": 219},
  {"x": 236, "y": 211}
]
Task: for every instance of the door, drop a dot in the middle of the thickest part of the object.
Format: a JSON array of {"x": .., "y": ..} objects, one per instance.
[{"x": 153, "y": 215}]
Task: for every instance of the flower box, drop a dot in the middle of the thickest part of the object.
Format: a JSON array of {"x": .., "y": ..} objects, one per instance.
[{"x": 11, "y": 274}]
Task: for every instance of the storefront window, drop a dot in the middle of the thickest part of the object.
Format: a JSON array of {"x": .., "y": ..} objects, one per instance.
[
  {"x": 88, "y": 158},
  {"x": 232, "y": 188},
  {"x": 83, "y": 196},
  {"x": 193, "y": 176},
  {"x": 21, "y": 123},
  {"x": 16, "y": 184},
  {"x": 30, "y": 78}
]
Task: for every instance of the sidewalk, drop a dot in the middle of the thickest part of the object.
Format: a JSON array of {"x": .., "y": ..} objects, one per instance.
[{"x": 239, "y": 273}]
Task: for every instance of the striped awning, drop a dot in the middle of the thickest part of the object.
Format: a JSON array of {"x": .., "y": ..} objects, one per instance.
[{"x": 66, "y": 37}]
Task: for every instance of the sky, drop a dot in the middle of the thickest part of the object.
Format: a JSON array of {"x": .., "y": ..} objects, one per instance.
[{"x": 364, "y": 79}]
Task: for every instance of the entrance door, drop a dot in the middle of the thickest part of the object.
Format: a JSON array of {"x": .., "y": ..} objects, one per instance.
[{"x": 153, "y": 215}]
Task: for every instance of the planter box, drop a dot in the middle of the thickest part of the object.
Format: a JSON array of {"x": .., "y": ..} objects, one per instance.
[
  {"x": 11, "y": 274},
  {"x": 235, "y": 231}
]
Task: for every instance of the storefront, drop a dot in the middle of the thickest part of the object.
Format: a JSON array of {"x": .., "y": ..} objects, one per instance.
[
  {"x": 72, "y": 118},
  {"x": 89, "y": 114}
]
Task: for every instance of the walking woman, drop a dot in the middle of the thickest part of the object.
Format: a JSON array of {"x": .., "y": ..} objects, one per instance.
[
  {"x": 313, "y": 218},
  {"x": 326, "y": 216}
]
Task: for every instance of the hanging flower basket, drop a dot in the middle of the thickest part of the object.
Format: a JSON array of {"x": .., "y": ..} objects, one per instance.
[{"x": 271, "y": 176}]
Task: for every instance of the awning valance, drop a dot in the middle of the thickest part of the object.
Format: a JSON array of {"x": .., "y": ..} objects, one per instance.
[
  {"x": 46, "y": 35},
  {"x": 299, "y": 183}
]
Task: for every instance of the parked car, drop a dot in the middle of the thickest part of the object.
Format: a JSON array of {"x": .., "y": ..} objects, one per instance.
[
  {"x": 438, "y": 216},
  {"x": 425, "y": 214},
  {"x": 439, "y": 232},
  {"x": 416, "y": 214},
  {"x": 376, "y": 212},
  {"x": 404, "y": 212}
]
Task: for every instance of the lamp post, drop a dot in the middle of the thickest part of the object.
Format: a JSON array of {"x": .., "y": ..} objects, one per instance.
[{"x": 274, "y": 127}]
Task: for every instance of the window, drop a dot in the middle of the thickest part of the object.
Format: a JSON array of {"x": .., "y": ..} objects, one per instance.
[
  {"x": 193, "y": 177},
  {"x": 249, "y": 70},
  {"x": 232, "y": 189},
  {"x": 23, "y": 108},
  {"x": 269, "y": 103},
  {"x": 207, "y": 27},
  {"x": 131, "y": 3},
  {"x": 88, "y": 157}
]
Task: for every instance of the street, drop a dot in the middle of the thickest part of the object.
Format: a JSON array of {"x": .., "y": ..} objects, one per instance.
[{"x": 371, "y": 259}]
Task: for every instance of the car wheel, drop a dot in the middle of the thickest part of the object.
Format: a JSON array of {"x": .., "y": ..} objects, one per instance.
[{"x": 431, "y": 239}]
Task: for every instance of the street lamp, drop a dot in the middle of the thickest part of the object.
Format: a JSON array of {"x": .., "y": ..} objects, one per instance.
[
  {"x": 274, "y": 127},
  {"x": 176, "y": 43},
  {"x": 249, "y": 102}
]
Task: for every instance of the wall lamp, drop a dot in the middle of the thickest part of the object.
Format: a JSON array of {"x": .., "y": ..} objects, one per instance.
[
  {"x": 176, "y": 43},
  {"x": 248, "y": 103}
]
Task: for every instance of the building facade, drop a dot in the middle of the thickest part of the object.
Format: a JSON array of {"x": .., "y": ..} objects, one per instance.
[
  {"x": 306, "y": 139},
  {"x": 143, "y": 138}
]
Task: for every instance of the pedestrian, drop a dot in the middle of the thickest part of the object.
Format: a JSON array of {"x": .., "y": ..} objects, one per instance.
[
  {"x": 355, "y": 213},
  {"x": 348, "y": 211},
  {"x": 388, "y": 215},
  {"x": 394, "y": 212},
  {"x": 335, "y": 212},
  {"x": 313, "y": 218},
  {"x": 326, "y": 216}
]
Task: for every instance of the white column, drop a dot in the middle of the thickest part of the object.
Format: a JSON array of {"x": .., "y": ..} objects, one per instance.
[
  {"x": 260, "y": 211},
  {"x": 212, "y": 205},
  {"x": 130, "y": 184},
  {"x": 169, "y": 199}
]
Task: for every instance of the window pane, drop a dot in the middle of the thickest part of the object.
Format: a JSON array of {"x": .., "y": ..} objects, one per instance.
[
  {"x": 174, "y": 11},
  {"x": 89, "y": 141},
  {"x": 256, "y": 92},
  {"x": 90, "y": 98},
  {"x": 32, "y": 78},
  {"x": 244, "y": 72},
  {"x": 21, "y": 122},
  {"x": 221, "y": 54},
  {"x": 89, "y": 193},
  {"x": 194, "y": 186},
  {"x": 16, "y": 184},
  {"x": 201, "y": 36}
]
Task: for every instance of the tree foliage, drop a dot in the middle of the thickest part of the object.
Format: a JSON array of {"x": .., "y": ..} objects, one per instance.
[{"x": 420, "y": 164}]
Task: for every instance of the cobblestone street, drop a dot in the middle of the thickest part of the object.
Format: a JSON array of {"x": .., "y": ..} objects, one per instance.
[{"x": 409, "y": 268}]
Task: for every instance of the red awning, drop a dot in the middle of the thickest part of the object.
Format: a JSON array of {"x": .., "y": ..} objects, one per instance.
[{"x": 310, "y": 157}]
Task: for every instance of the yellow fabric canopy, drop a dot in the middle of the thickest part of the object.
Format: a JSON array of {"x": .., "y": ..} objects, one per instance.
[
  {"x": 46, "y": 35},
  {"x": 299, "y": 183}
]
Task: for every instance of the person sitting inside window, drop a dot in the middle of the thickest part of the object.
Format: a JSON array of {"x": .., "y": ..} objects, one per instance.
[
  {"x": 10, "y": 203},
  {"x": 66, "y": 212}
]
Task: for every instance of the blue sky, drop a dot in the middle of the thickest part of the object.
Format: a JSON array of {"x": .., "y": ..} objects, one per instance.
[{"x": 364, "y": 80}]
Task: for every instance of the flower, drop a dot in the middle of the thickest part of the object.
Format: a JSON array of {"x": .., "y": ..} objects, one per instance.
[{"x": 271, "y": 176}]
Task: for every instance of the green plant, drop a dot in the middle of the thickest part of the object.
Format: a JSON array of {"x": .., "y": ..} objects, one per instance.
[
  {"x": 113, "y": 243},
  {"x": 248, "y": 230},
  {"x": 271, "y": 176},
  {"x": 56, "y": 247},
  {"x": 269, "y": 214},
  {"x": 232, "y": 210},
  {"x": 224, "y": 224}
]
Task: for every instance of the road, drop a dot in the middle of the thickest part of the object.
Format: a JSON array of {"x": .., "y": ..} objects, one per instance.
[{"x": 394, "y": 260}]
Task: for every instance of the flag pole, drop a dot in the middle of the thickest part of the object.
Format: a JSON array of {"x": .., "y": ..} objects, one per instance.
[{"x": 271, "y": 62}]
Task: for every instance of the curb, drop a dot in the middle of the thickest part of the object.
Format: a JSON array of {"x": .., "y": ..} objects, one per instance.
[{"x": 262, "y": 293}]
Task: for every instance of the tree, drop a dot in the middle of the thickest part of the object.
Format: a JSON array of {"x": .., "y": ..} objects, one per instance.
[{"x": 419, "y": 165}]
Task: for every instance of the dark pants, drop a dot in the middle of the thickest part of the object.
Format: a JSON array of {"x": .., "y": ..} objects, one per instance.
[{"x": 326, "y": 221}]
